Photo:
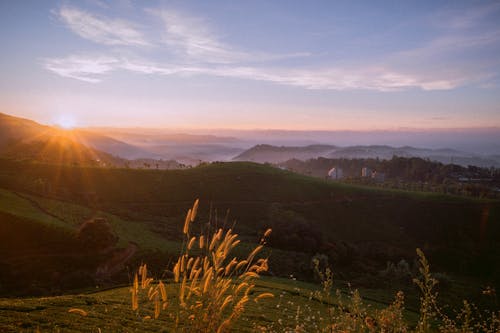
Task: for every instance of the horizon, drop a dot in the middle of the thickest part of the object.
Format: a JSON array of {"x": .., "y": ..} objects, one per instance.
[
  {"x": 482, "y": 141},
  {"x": 252, "y": 66},
  {"x": 74, "y": 126}
]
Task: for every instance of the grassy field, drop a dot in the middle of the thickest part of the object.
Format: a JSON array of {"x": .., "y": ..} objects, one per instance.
[
  {"x": 70, "y": 216},
  {"x": 110, "y": 311},
  {"x": 359, "y": 229},
  {"x": 16, "y": 205}
]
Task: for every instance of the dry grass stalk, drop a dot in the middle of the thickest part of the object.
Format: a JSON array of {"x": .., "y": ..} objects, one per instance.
[{"x": 212, "y": 289}]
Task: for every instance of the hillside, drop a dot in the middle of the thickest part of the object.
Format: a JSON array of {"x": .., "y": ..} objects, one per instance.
[
  {"x": 23, "y": 139},
  {"x": 408, "y": 173},
  {"x": 358, "y": 228},
  {"x": 280, "y": 154},
  {"x": 42, "y": 253},
  {"x": 168, "y": 144},
  {"x": 275, "y": 154},
  {"x": 112, "y": 146}
]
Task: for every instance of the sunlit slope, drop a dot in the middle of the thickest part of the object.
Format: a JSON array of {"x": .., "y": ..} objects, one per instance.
[
  {"x": 64, "y": 218},
  {"x": 40, "y": 251},
  {"x": 23, "y": 139}
]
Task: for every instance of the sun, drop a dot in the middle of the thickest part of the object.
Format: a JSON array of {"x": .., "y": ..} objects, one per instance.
[{"x": 66, "y": 121}]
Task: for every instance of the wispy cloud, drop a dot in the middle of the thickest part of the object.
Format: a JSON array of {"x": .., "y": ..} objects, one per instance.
[
  {"x": 83, "y": 68},
  {"x": 101, "y": 30},
  {"x": 457, "y": 40},
  {"x": 379, "y": 79},
  {"x": 460, "y": 18},
  {"x": 196, "y": 49},
  {"x": 91, "y": 69},
  {"x": 195, "y": 38}
]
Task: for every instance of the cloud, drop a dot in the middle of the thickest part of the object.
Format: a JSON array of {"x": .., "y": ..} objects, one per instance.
[
  {"x": 92, "y": 68},
  {"x": 194, "y": 48},
  {"x": 83, "y": 68},
  {"x": 460, "y": 18},
  {"x": 341, "y": 79},
  {"x": 101, "y": 30},
  {"x": 194, "y": 38},
  {"x": 447, "y": 56}
]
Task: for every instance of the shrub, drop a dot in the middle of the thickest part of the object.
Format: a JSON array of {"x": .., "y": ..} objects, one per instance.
[{"x": 97, "y": 234}]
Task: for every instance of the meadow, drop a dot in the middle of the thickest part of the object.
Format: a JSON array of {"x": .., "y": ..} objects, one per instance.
[{"x": 210, "y": 292}]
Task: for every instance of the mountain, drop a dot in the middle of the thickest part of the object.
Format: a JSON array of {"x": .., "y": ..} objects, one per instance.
[
  {"x": 275, "y": 154},
  {"x": 114, "y": 146},
  {"x": 167, "y": 144},
  {"x": 14, "y": 129},
  {"x": 23, "y": 139}
]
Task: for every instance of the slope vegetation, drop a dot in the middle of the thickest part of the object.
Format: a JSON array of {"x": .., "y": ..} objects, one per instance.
[{"x": 356, "y": 227}]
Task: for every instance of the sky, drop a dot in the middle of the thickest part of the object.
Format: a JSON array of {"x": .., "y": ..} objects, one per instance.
[{"x": 297, "y": 65}]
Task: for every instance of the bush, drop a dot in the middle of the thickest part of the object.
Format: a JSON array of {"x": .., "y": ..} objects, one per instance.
[{"x": 97, "y": 235}]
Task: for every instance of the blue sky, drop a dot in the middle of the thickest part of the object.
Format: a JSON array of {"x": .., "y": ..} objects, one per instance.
[{"x": 252, "y": 64}]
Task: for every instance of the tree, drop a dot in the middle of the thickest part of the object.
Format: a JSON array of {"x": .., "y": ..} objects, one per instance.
[{"x": 97, "y": 234}]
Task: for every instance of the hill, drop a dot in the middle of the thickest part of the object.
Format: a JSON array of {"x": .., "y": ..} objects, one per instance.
[
  {"x": 168, "y": 144},
  {"x": 112, "y": 146},
  {"x": 42, "y": 251},
  {"x": 356, "y": 228},
  {"x": 275, "y": 154},
  {"x": 23, "y": 139},
  {"x": 409, "y": 173}
]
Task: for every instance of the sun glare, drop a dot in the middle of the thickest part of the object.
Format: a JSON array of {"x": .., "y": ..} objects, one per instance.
[{"x": 66, "y": 121}]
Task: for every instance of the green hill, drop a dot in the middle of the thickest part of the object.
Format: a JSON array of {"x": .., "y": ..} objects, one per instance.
[
  {"x": 40, "y": 251},
  {"x": 358, "y": 228}
]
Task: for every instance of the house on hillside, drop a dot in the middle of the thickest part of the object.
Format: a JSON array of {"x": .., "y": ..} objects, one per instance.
[
  {"x": 335, "y": 173},
  {"x": 366, "y": 172}
]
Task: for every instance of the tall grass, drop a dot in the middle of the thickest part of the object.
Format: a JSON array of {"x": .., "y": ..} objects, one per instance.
[
  {"x": 350, "y": 314},
  {"x": 213, "y": 289}
]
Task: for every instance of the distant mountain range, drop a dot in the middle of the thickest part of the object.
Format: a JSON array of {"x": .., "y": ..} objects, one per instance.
[
  {"x": 182, "y": 147},
  {"x": 279, "y": 154},
  {"x": 25, "y": 139}
]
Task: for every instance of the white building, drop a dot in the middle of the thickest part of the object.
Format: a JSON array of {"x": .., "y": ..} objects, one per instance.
[
  {"x": 335, "y": 173},
  {"x": 366, "y": 172}
]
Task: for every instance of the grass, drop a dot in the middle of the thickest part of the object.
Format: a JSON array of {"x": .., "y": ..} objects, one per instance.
[
  {"x": 296, "y": 307},
  {"x": 111, "y": 311},
  {"x": 154, "y": 195},
  {"x": 69, "y": 216},
  {"x": 212, "y": 293},
  {"x": 12, "y": 203},
  {"x": 145, "y": 205},
  {"x": 213, "y": 289}
]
